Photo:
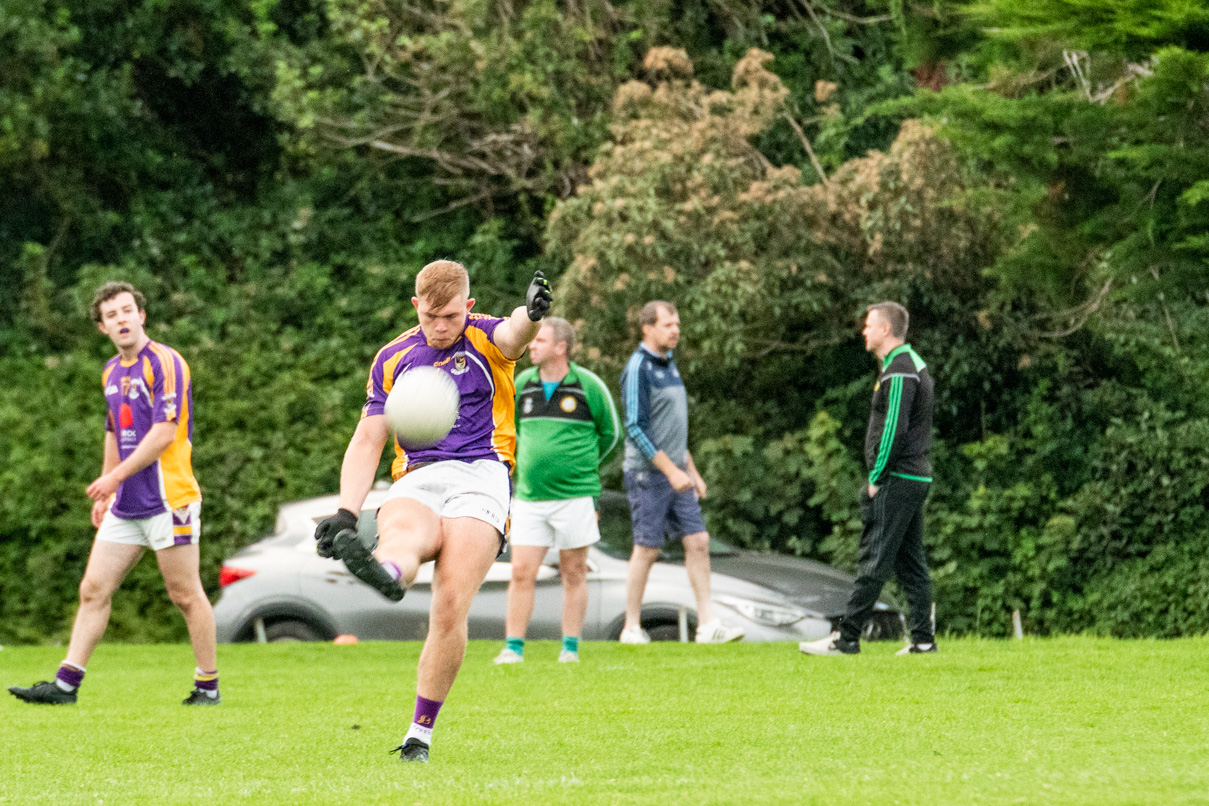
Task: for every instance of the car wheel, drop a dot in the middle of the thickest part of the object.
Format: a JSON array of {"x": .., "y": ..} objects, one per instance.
[
  {"x": 290, "y": 630},
  {"x": 664, "y": 632}
]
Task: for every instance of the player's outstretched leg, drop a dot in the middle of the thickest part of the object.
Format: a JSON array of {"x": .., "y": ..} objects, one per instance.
[{"x": 361, "y": 563}]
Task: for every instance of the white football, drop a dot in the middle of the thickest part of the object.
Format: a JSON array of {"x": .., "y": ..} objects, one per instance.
[{"x": 422, "y": 407}]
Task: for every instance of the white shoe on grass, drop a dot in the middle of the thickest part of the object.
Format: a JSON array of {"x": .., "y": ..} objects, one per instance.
[
  {"x": 715, "y": 632},
  {"x": 917, "y": 649},
  {"x": 509, "y": 656},
  {"x": 831, "y": 645},
  {"x": 567, "y": 656},
  {"x": 634, "y": 635}
]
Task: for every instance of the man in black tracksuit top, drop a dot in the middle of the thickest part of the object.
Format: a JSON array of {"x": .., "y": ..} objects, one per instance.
[{"x": 897, "y": 443}]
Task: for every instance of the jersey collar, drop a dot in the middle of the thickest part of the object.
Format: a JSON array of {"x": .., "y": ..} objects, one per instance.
[
  {"x": 570, "y": 377},
  {"x": 897, "y": 351},
  {"x": 662, "y": 359}
]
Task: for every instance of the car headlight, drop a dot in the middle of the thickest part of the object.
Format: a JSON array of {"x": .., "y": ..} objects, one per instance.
[{"x": 770, "y": 615}]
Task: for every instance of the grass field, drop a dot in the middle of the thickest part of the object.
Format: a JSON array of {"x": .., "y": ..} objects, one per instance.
[{"x": 1073, "y": 720}]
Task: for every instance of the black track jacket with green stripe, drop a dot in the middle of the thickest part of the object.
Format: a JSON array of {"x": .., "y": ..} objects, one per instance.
[{"x": 899, "y": 437}]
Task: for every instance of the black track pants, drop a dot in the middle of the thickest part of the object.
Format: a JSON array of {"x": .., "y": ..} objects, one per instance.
[{"x": 892, "y": 541}]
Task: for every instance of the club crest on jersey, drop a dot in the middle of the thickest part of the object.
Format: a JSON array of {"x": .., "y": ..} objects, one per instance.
[
  {"x": 527, "y": 406},
  {"x": 459, "y": 363},
  {"x": 567, "y": 404}
]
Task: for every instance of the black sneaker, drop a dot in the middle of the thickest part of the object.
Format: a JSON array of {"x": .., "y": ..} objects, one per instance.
[
  {"x": 917, "y": 649},
  {"x": 199, "y": 697},
  {"x": 44, "y": 693},
  {"x": 412, "y": 750},
  {"x": 358, "y": 559}
]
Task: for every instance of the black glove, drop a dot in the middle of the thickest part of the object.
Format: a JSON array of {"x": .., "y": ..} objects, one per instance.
[
  {"x": 328, "y": 528},
  {"x": 537, "y": 301}
]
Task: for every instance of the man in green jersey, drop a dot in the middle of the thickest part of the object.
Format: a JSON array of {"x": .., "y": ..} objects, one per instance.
[{"x": 566, "y": 426}]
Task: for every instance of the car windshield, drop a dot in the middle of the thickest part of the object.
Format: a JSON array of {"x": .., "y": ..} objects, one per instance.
[{"x": 617, "y": 536}]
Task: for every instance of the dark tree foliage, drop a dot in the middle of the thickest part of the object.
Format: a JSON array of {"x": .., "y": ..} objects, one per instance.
[{"x": 1030, "y": 178}]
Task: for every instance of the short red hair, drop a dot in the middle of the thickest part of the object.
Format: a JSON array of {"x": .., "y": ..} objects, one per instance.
[{"x": 442, "y": 281}]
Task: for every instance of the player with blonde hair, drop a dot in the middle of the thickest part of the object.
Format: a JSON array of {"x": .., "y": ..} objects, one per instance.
[{"x": 449, "y": 502}]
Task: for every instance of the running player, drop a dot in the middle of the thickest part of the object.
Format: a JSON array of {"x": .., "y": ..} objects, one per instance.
[
  {"x": 449, "y": 503},
  {"x": 566, "y": 427},
  {"x": 146, "y": 497}
]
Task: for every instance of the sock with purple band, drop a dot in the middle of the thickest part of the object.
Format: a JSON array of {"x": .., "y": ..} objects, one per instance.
[
  {"x": 425, "y": 717},
  {"x": 69, "y": 677},
  {"x": 206, "y": 682}
]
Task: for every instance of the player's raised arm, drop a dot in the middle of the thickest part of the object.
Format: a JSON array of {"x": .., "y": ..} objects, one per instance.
[{"x": 514, "y": 335}]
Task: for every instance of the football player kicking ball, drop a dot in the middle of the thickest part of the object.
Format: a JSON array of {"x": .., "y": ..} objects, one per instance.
[
  {"x": 449, "y": 502},
  {"x": 146, "y": 497}
]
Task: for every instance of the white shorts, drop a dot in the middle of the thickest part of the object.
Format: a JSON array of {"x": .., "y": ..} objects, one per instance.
[
  {"x": 180, "y": 527},
  {"x": 569, "y": 524},
  {"x": 455, "y": 489}
]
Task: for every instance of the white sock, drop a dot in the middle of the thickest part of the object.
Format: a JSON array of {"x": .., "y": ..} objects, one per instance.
[{"x": 419, "y": 732}]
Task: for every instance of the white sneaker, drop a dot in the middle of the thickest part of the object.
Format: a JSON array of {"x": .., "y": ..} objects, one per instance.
[
  {"x": 509, "y": 656},
  {"x": 917, "y": 649},
  {"x": 567, "y": 656},
  {"x": 831, "y": 645},
  {"x": 634, "y": 635},
  {"x": 715, "y": 632}
]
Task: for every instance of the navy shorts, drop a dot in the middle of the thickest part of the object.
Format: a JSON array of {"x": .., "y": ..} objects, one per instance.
[{"x": 658, "y": 512}]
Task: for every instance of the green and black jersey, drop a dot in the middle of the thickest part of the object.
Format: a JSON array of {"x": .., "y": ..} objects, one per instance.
[
  {"x": 899, "y": 437},
  {"x": 562, "y": 440}
]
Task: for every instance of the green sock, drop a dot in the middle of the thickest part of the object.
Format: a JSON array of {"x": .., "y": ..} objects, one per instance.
[
  {"x": 571, "y": 643},
  {"x": 517, "y": 645}
]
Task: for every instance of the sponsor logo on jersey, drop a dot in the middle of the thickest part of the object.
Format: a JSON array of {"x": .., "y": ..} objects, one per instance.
[
  {"x": 567, "y": 404},
  {"x": 527, "y": 407},
  {"x": 126, "y": 416}
]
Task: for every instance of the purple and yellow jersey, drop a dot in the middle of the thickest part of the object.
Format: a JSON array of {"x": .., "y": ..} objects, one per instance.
[
  {"x": 154, "y": 388},
  {"x": 486, "y": 424}
]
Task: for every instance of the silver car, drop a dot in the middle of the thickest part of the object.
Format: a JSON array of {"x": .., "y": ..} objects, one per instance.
[{"x": 279, "y": 589}]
